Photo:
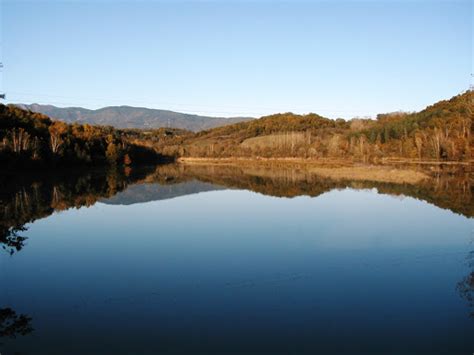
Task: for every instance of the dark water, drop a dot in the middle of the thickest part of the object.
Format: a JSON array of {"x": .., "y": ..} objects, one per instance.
[{"x": 230, "y": 260}]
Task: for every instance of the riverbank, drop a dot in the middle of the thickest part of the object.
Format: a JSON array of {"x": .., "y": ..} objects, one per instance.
[{"x": 321, "y": 161}]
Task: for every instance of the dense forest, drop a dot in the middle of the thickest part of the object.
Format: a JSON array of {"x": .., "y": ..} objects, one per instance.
[
  {"x": 29, "y": 139},
  {"x": 442, "y": 131}
]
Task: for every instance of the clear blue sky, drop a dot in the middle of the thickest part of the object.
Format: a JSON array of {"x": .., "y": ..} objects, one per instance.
[{"x": 226, "y": 58}]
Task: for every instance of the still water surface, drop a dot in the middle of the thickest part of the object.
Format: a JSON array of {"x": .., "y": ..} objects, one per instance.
[{"x": 191, "y": 266}]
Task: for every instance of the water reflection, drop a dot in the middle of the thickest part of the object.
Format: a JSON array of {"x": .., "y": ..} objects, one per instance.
[
  {"x": 169, "y": 270},
  {"x": 13, "y": 325},
  {"x": 11, "y": 241},
  {"x": 448, "y": 187},
  {"x": 24, "y": 199},
  {"x": 465, "y": 287}
]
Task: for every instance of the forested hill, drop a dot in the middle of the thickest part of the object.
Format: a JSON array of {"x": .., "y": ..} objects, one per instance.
[
  {"x": 132, "y": 117},
  {"x": 29, "y": 139},
  {"x": 443, "y": 131}
]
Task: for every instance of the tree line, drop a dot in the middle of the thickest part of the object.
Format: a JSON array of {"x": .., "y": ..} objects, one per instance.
[
  {"x": 29, "y": 139},
  {"x": 442, "y": 131}
]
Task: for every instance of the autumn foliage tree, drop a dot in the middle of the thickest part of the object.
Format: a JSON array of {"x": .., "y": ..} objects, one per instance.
[
  {"x": 442, "y": 131},
  {"x": 29, "y": 139}
]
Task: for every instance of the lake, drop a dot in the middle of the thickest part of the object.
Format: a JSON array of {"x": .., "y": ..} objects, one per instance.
[{"x": 225, "y": 259}]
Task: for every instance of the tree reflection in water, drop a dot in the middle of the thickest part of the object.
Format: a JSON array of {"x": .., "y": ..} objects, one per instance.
[
  {"x": 13, "y": 325},
  {"x": 25, "y": 199},
  {"x": 10, "y": 239},
  {"x": 465, "y": 287}
]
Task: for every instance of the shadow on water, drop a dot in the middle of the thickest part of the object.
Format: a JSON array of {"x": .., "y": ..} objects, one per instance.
[{"x": 24, "y": 199}]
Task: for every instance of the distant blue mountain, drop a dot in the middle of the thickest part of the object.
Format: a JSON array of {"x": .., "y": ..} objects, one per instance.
[{"x": 133, "y": 117}]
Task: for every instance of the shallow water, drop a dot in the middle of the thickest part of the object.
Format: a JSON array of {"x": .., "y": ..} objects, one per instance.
[{"x": 189, "y": 265}]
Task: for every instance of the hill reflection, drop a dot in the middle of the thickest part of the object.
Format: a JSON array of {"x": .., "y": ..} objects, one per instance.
[
  {"x": 449, "y": 188},
  {"x": 24, "y": 199}
]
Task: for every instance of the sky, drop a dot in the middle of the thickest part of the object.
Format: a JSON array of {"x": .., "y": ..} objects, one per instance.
[{"x": 238, "y": 58}]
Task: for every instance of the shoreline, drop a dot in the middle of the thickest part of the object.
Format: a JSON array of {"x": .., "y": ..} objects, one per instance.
[{"x": 319, "y": 161}]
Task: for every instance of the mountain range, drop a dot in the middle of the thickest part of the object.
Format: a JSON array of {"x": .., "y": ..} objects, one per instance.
[{"x": 133, "y": 117}]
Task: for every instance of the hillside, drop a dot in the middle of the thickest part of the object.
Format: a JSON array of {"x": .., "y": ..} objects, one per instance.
[
  {"x": 442, "y": 131},
  {"x": 132, "y": 117},
  {"x": 29, "y": 139}
]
